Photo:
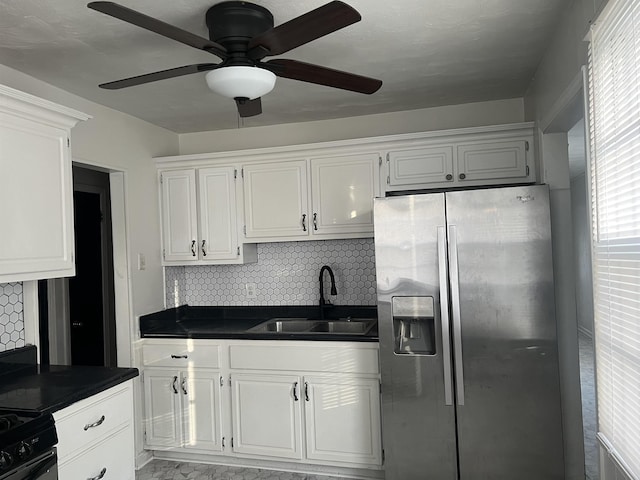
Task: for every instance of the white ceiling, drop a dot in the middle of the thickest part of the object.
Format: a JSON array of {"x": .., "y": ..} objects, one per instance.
[{"x": 427, "y": 52}]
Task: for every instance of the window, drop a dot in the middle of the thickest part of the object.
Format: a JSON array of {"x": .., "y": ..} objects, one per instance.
[{"x": 614, "y": 69}]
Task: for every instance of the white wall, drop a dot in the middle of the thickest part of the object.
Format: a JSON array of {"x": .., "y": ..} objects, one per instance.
[
  {"x": 438, "y": 118},
  {"x": 550, "y": 91},
  {"x": 582, "y": 253}
]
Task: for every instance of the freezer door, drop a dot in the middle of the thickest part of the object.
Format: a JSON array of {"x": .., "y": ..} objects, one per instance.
[
  {"x": 417, "y": 396},
  {"x": 504, "y": 334}
]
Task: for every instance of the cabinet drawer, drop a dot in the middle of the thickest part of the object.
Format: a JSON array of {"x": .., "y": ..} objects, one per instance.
[
  {"x": 115, "y": 455},
  {"x": 181, "y": 355},
  {"x": 308, "y": 358},
  {"x": 91, "y": 420}
]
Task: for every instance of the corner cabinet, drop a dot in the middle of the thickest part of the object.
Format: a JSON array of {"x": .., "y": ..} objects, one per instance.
[
  {"x": 36, "y": 188},
  {"x": 316, "y": 198},
  {"x": 200, "y": 218}
]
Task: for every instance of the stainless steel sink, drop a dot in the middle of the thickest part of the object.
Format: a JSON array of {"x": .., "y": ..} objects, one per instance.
[{"x": 304, "y": 326}]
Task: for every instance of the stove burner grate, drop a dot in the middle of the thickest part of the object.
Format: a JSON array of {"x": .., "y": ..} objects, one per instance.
[{"x": 9, "y": 421}]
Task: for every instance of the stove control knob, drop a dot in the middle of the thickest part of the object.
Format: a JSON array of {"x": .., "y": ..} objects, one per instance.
[
  {"x": 6, "y": 460},
  {"x": 24, "y": 450}
]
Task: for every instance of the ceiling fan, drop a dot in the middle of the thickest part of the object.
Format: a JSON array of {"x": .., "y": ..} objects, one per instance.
[{"x": 242, "y": 34}]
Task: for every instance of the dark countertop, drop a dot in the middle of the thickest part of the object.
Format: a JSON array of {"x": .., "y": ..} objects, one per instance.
[
  {"x": 48, "y": 388},
  {"x": 234, "y": 322}
]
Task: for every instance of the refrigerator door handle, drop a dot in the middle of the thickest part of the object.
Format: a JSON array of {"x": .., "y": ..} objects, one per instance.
[
  {"x": 455, "y": 310},
  {"x": 444, "y": 316}
]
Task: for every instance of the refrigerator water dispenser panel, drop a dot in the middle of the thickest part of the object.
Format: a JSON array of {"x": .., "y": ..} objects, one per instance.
[{"x": 413, "y": 325}]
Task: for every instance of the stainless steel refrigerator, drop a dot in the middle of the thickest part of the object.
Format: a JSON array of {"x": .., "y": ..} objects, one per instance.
[{"x": 468, "y": 353}]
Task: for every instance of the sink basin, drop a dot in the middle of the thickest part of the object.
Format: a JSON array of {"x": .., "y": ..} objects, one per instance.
[
  {"x": 304, "y": 326},
  {"x": 283, "y": 325},
  {"x": 356, "y": 327}
]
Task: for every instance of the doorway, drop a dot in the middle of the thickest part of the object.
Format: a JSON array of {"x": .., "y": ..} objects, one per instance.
[{"x": 77, "y": 314}]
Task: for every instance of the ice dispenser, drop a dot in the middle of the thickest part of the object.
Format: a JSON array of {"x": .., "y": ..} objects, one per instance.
[{"x": 413, "y": 325}]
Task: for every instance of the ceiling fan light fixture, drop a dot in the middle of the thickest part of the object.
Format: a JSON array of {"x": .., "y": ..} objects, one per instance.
[{"x": 241, "y": 82}]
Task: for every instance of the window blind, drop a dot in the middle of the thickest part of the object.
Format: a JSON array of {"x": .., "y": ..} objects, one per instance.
[{"x": 614, "y": 71}]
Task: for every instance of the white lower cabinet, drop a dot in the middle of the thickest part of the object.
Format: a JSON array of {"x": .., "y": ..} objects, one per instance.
[
  {"x": 183, "y": 409},
  {"x": 266, "y": 415},
  {"x": 95, "y": 436},
  {"x": 342, "y": 418},
  {"x": 315, "y": 403}
]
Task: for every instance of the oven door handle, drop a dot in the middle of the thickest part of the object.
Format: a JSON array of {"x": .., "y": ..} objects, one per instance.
[{"x": 42, "y": 466}]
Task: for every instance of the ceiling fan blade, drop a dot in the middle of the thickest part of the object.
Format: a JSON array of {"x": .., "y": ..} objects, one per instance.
[
  {"x": 157, "y": 26},
  {"x": 161, "y": 75},
  {"x": 303, "y": 29},
  {"x": 307, "y": 72},
  {"x": 249, "y": 108}
]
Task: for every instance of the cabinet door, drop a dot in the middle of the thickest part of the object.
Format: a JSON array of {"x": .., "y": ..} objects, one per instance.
[
  {"x": 179, "y": 215},
  {"x": 162, "y": 400},
  {"x": 342, "y": 190},
  {"x": 343, "y": 419},
  {"x": 267, "y": 415},
  {"x": 418, "y": 167},
  {"x": 492, "y": 160},
  {"x": 36, "y": 195},
  {"x": 275, "y": 199},
  {"x": 218, "y": 217},
  {"x": 201, "y": 403}
]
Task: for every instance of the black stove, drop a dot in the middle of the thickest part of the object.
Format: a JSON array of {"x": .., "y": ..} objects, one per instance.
[{"x": 25, "y": 438}]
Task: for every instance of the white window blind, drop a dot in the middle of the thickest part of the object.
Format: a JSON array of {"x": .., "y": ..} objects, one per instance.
[{"x": 614, "y": 69}]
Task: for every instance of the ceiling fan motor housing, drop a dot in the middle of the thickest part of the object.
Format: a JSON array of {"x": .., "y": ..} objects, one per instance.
[{"x": 233, "y": 24}]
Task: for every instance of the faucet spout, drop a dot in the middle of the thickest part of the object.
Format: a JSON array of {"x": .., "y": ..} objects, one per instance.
[{"x": 334, "y": 291}]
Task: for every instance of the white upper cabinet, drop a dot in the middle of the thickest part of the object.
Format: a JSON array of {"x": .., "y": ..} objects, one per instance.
[
  {"x": 179, "y": 215},
  {"x": 36, "y": 188},
  {"x": 276, "y": 199},
  {"x": 339, "y": 190},
  {"x": 325, "y": 191},
  {"x": 466, "y": 157},
  {"x": 200, "y": 218},
  {"x": 343, "y": 189},
  {"x": 492, "y": 160},
  {"x": 218, "y": 215}
]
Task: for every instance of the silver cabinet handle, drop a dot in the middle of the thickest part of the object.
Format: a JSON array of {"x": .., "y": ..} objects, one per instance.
[
  {"x": 100, "y": 475},
  {"x": 304, "y": 222},
  {"x": 179, "y": 356},
  {"x": 97, "y": 423},
  {"x": 306, "y": 391},
  {"x": 193, "y": 248},
  {"x": 315, "y": 221},
  {"x": 295, "y": 391},
  {"x": 173, "y": 385},
  {"x": 444, "y": 316},
  {"x": 183, "y": 385},
  {"x": 455, "y": 310},
  {"x": 204, "y": 252}
]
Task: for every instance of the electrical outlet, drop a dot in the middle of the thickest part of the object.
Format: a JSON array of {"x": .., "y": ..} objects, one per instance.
[
  {"x": 142, "y": 262},
  {"x": 250, "y": 290}
]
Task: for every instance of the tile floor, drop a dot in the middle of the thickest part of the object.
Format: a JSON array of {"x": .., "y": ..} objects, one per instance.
[{"x": 165, "y": 470}]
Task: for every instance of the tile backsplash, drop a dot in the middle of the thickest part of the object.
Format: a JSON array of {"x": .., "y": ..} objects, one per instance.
[
  {"x": 285, "y": 274},
  {"x": 11, "y": 316}
]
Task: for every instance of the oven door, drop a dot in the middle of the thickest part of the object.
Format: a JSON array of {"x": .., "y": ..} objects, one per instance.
[{"x": 44, "y": 467}]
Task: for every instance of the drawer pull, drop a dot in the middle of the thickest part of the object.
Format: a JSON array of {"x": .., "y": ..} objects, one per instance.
[
  {"x": 100, "y": 475},
  {"x": 179, "y": 356},
  {"x": 94, "y": 424}
]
